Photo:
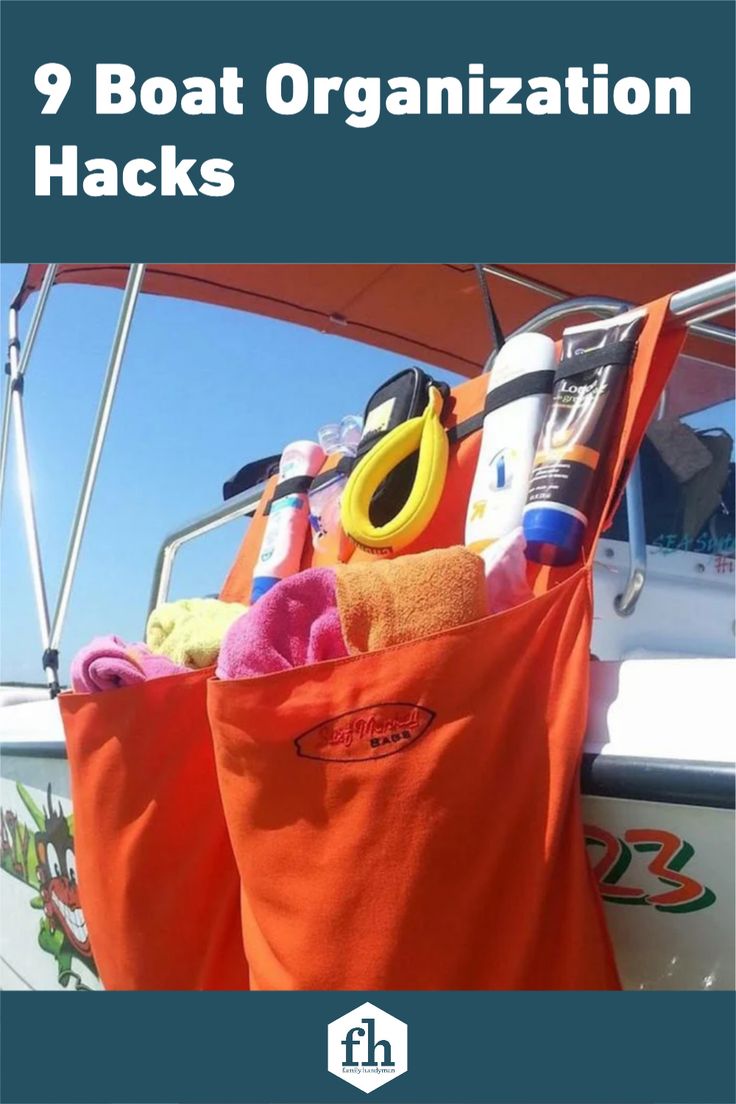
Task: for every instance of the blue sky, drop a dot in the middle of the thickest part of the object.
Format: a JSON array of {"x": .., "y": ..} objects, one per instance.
[{"x": 203, "y": 390}]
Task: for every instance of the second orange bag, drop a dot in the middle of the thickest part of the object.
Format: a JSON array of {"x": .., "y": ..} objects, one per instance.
[{"x": 157, "y": 877}]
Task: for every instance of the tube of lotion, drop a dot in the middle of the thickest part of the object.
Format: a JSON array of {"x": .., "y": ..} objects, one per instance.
[
  {"x": 590, "y": 382},
  {"x": 288, "y": 520},
  {"x": 517, "y": 401}
]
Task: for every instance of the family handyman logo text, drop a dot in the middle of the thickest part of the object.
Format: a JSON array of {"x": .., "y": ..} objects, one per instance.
[{"x": 367, "y": 1047}]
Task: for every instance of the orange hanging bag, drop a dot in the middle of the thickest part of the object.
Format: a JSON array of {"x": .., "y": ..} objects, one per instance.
[
  {"x": 157, "y": 878},
  {"x": 410, "y": 818}
]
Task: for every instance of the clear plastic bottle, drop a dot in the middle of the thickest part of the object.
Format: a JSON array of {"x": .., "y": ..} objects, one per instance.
[
  {"x": 351, "y": 430},
  {"x": 324, "y": 501}
]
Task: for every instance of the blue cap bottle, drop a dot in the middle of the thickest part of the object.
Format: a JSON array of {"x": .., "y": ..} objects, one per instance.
[{"x": 553, "y": 536}]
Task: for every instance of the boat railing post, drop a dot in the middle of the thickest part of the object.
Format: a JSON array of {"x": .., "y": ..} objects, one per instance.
[
  {"x": 115, "y": 361},
  {"x": 625, "y": 602}
]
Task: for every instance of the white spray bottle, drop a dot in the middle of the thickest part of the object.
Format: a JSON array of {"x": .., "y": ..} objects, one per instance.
[{"x": 517, "y": 401}]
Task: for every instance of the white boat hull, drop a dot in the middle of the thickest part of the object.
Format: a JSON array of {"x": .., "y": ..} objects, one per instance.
[
  {"x": 687, "y": 944},
  {"x": 660, "y": 830}
]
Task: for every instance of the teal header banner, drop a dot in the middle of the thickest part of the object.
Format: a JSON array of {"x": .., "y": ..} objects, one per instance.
[
  {"x": 468, "y": 1048},
  {"x": 529, "y": 132}
]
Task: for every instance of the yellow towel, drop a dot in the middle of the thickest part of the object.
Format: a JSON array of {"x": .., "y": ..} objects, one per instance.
[
  {"x": 190, "y": 631},
  {"x": 387, "y": 602}
]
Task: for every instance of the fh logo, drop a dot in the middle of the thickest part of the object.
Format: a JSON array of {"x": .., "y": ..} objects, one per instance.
[{"x": 367, "y": 1047}]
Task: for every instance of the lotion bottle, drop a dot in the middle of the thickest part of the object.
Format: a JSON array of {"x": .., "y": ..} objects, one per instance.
[{"x": 517, "y": 401}]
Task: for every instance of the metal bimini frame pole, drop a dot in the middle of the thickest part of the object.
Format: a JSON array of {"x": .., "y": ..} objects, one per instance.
[
  {"x": 13, "y": 412},
  {"x": 697, "y": 323},
  {"x": 25, "y": 491},
  {"x": 50, "y": 630},
  {"x": 115, "y": 362},
  {"x": 18, "y": 361}
]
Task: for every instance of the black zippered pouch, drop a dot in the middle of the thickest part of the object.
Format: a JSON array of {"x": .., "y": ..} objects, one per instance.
[{"x": 400, "y": 398}]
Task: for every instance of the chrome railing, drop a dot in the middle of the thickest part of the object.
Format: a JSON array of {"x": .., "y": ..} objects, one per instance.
[{"x": 242, "y": 505}]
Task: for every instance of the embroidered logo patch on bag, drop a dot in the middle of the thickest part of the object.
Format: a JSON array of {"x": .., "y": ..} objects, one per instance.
[{"x": 360, "y": 735}]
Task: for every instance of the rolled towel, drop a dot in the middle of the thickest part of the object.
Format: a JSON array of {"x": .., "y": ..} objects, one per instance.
[
  {"x": 190, "y": 631},
  {"x": 387, "y": 602},
  {"x": 505, "y": 569},
  {"x": 107, "y": 663},
  {"x": 294, "y": 624}
]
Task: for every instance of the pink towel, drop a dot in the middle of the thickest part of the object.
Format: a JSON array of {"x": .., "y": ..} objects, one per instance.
[
  {"x": 505, "y": 566},
  {"x": 107, "y": 663},
  {"x": 293, "y": 624}
]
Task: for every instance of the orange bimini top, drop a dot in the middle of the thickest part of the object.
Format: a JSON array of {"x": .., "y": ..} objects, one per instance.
[
  {"x": 451, "y": 856},
  {"x": 428, "y": 312}
]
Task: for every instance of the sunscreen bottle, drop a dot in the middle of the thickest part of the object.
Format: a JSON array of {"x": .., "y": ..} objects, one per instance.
[
  {"x": 288, "y": 519},
  {"x": 575, "y": 444},
  {"x": 516, "y": 405}
]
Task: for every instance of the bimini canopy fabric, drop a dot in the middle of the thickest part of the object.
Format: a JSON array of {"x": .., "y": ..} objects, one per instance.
[{"x": 433, "y": 313}]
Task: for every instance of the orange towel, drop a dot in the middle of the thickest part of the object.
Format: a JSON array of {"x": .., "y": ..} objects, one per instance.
[{"x": 385, "y": 602}]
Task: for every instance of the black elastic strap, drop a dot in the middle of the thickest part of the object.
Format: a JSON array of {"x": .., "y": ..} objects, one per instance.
[
  {"x": 302, "y": 484},
  {"x": 622, "y": 352},
  {"x": 298, "y": 484},
  {"x": 344, "y": 466},
  {"x": 465, "y": 429},
  {"x": 455, "y": 434},
  {"x": 533, "y": 383}
]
